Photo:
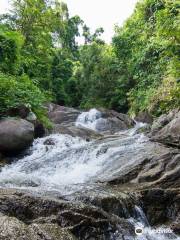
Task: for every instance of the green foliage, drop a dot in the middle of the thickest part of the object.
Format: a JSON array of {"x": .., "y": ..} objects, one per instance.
[
  {"x": 96, "y": 76},
  {"x": 10, "y": 46},
  {"x": 16, "y": 91},
  {"x": 147, "y": 47},
  {"x": 61, "y": 72},
  {"x": 37, "y": 40},
  {"x": 166, "y": 97}
]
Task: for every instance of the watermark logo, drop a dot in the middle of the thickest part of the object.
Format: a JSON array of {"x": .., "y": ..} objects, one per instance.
[
  {"x": 139, "y": 231},
  {"x": 144, "y": 230}
]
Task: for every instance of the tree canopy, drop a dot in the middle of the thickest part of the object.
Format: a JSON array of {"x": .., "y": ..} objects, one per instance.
[{"x": 40, "y": 57}]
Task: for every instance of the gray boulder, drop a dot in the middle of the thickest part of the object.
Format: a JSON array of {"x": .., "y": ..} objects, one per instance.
[
  {"x": 118, "y": 118},
  {"x": 111, "y": 124},
  {"x": 15, "y": 134},
  {"x": 62, "y": 115},
  {"x": 163, "y": 120},
  {"x": 74, "y": 131},
  {"x": 169, "y": 130}
]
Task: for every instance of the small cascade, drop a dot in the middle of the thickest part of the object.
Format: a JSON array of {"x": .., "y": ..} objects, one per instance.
[
  {"x": 90, "y": 119},
  {"x": 144, "y": 231},
  {"x": 59, "y": 162},
  {"x": 140, "y": 216}
]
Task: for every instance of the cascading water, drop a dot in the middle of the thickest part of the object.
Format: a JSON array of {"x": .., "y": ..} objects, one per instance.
[
  {"x": 145, "y": 232},
  {"x": 66, "y": 161},
  {"x": 90, "y": 119},
  {"x": 68, "y": 164}
]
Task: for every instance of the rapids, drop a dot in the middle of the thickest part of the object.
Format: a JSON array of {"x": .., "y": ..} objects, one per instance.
[{"x": 66, "y": 164}]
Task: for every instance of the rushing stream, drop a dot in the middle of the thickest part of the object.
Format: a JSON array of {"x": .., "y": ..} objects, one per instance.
[
  {"x": 67, "y": 164},
  {"x": 64, "y": 163}
]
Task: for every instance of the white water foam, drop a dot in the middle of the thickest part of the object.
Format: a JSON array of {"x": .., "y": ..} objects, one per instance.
[
  {"x": 89, "y": 119},
  {"x": 72, "y": 161}
]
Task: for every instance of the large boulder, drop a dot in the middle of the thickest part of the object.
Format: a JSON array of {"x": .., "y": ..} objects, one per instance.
[
  {"x": 163, "y": 120},
  {"x": 62, "y": 115},
  {"x": 15, "y": 135},
  {"x": 169, "y": 130},
  {"x": 111, "y": 124},
  {"x": 118, "y": 118}
]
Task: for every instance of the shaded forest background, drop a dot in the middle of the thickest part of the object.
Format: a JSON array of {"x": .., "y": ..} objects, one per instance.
[{"x": 41, "y": 61}]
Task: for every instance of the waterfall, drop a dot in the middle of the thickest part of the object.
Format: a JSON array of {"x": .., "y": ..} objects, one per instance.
[
  {"x": 60, "y": 162},
  {"x": 89, "y": 119},
  {"x": 68, "y": 164}
]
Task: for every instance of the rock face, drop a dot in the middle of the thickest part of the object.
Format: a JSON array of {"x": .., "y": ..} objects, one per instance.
[
  {"x": 74, "y": 131},
  {"x": 144, "y": 117},
  {"x": 161, "y": 206},
  {"x": 21, "y": 111},
  {"x": 124, "y": 119},
  {"x": 15, "y": 135},
  {"x": 167, "y": 129},
  {"x": 163, "y": 120},
  {"x": 38, "y": 218},
  {"x": 39, "y": 130},
  {"x": 62, "y": 115},
  {"x": 111, "y": 121},
  {"x": 12, "y": 228}
]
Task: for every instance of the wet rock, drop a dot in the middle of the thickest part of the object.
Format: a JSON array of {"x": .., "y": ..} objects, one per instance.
[
  {"x": 31, "y": 117},
  {"x": 39, "y": 130},
  {"x": 81, "y": 220},
  {"x": 21, "y": 111},
  {"x": 49, "y": 141},
  {"x": 163, "y": 120},
  {"x": 170, "y": 133},
  {"x": 120, "y": 116},
  {"x": 13, "y": 229},
  {"x": 162, "y": 171},
  {"x": 62, "y": 115},
  {"x": 64, "y": 118},
  {"x": 74, "y": 131},
  {"x": 161, "y": 206},
  {"x": 111, "y": 125},
  {"x": 104, "y": 121},
  {"x": 112, "y": 200},
  {"x": 3, "y": 161},
  {"x": 115, "y": 121},
  {"x": 144, "y": 129},
  {"x": 144, "y": 117},
  {"x": 15, "y": 135},
  {"x": 176, "y": 228}
]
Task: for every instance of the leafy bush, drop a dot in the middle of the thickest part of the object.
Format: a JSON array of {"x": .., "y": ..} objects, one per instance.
[
  {"x": 166, "y": 97},
  {"x": 10, "y": 46},
  {"x": 18, "y": 91}
]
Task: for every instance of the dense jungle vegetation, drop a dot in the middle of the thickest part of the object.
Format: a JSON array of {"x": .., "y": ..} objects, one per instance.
[{"x": 41, "y": 61}]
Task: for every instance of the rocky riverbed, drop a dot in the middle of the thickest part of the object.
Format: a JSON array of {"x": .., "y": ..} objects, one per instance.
[{"x": 96, "y": 175}]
